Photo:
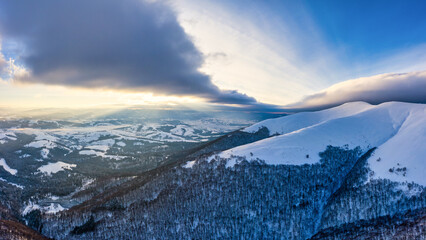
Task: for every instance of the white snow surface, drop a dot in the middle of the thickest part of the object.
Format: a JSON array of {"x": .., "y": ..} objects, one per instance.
[
  {"x": 30, "y": 207},
  {"x": 42, "y": 144},
  {"x": 102, "y": 145},
  {"x": 54, "y": 208},
  {"x": 182, "y": 130},
  {"x": 51, "y": 209},
  {"x": 398, "y": 130},
  {"x": 6, "y": 136},
  {"x": 6, "y": 167},
  {"x": 88, "y": 152},
  {"x": 44, "y": 153},
  {"x": 55, "y": 167},
  {"x": 298, "y": 121},
  {"x": 106, "y": 142},
  {"x": 189, "y": 164},
  {"x": 406, "y": 149},
  {"x": 101, "y": 154},
  {"x": 102, "y": 148}
]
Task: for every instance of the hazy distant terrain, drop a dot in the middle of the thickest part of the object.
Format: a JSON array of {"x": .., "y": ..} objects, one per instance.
[{"x": 47, "y": 157}]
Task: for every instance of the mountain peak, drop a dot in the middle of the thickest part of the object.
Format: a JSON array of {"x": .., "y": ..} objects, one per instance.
[{"x": 395, "y": 128}]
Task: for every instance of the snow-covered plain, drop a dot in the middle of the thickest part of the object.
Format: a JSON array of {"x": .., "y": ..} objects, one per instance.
[
  {"x": 55, "y": 167},
  {"x": 88, "y": 152},
  {"x": 42, "y": 144},
  {"x": 111, "y": 140},
  {"x": 100, "y": 137},
  {"x": 398, "y": 130}
]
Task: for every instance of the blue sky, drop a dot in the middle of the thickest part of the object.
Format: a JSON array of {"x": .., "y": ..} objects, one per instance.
[
  {"x": 362, "y": 28},
  {"x": 370, "y": 28},
  {"x": 249, "y": 53},
  {"x": 358, "y": 30},
  {"x": 303, "y": 47}
]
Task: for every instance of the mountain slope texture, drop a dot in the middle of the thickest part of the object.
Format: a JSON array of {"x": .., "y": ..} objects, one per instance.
[{"x": 353, "y": 171}]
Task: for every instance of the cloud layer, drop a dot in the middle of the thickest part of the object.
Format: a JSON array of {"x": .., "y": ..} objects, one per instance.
[
  {"x": 404, "y": 87},
  {"x": 3, "y": 63},
  {"x": 127, "y": 44}
]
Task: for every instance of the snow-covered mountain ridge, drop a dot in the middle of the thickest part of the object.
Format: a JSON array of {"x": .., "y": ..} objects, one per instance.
[
  {"x": 398, "y": 130},
  {"x": 303, "y": 187}
]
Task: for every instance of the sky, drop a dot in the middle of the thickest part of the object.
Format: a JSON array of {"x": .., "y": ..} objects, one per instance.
[{"x": 254, "y": 55}]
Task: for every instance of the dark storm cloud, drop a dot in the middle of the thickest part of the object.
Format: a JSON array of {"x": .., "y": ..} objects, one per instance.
[
  {"x": 405, "y": 87},
  {"x": 114, "y": 44}
]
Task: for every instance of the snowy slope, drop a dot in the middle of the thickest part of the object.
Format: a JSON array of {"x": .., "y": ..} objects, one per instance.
[
  {"x": 407, "y": 149},
  {"x": 298, "y": 121},
  {"x": 6, "y": 167},
  {"x": 398, "y": 130}
]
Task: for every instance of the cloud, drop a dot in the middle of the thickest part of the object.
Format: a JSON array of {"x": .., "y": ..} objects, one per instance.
[
  {"x": 3, "y": 67},
  {"x": 127, "y": 45},
  {"x": 3, "y": 62},
  {"x": 217, "y": 55},
  {"x": 404, "y": 87}
]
